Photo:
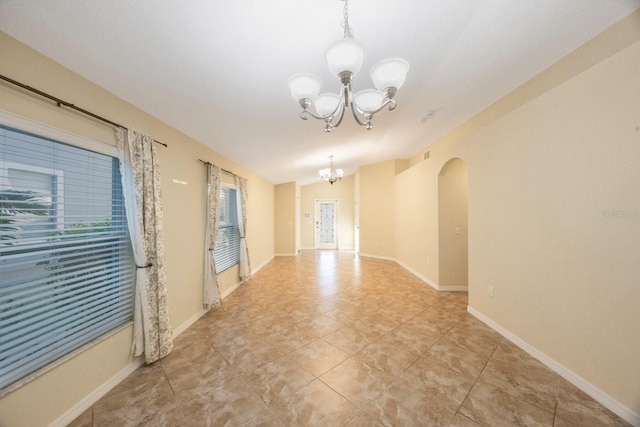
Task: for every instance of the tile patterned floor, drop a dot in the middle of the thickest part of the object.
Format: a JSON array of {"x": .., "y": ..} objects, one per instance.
[{"x": 330, "y": 339}]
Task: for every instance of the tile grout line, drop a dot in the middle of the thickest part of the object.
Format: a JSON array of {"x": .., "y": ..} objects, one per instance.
[{"x": 476, "y": 380}]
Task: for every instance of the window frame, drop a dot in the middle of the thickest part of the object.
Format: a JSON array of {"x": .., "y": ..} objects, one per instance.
[
  {"x": 51, "y": 132},
  {"x": 39, "y": 129}
]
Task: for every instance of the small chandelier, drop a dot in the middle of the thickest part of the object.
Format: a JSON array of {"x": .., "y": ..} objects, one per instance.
[
  {"x": 344, "y": 58},
  {"x": 330, "y": 174}
]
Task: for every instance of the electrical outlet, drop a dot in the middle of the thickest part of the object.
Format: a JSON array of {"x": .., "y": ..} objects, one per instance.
[
  {"x": 428, "y": 260},
  {"x": 491, "y": 291}
]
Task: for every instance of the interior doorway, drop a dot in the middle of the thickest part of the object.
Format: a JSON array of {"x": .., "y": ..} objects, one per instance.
[{"x": 326, "y": 224}]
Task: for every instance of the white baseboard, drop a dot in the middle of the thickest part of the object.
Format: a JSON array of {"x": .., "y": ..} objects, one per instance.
[
  {"x": 190, "y": 321},
  {"x": 616, "y": 407},
  {"x": 254, "y": 270},
  {"x": 446, "y": 288},
  {"x": 76, "y": 410},
  {"x": 237, "y": 285},
  {"x": 286, "y": 254},
  {"x": 386, "y": 258},
  {"x": 431, "y": 283},
  {"x": 229, "y": 290},
  {"x": 193, "y": 319},
  {"x": 425, "y": 279},
  {"x": 311, "y": 248}
]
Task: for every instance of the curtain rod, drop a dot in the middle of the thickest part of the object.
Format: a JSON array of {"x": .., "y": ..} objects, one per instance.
[
  {"x": 59, "y": 102},
  {"x": 223, "y": 170}
]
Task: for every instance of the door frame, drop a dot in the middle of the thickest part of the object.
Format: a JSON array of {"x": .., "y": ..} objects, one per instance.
[{"x": 316, "y": 219}]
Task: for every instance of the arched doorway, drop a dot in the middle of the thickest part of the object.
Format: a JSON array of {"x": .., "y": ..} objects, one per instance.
[{"x": 453, "y": 225}]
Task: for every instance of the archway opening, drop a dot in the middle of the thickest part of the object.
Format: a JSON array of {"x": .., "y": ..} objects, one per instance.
[{"x": 453, "y": 224}]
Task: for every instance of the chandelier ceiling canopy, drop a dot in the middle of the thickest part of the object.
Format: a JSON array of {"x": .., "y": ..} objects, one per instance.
[{"x": 344, "y": 58}]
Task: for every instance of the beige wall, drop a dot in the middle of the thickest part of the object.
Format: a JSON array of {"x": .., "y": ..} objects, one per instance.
[
  {"x": 342, "y": 191},
  {"x": 184, "y": 211},
  {"x": 356, "y": 211},
  {"x": 452, "y": 224},
  {"x": 376, "y": 196},
  {"x": 298, "y": 219},
  {"x": 554, "y": 212},
  {"x": 416, "y": 224},
  {"x": 285, "y": 218}
]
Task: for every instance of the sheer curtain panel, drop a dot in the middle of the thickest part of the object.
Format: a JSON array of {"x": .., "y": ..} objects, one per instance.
[
  {"x": 245, "y": 264},
  {"x": 152, "y": 335},
  {"x": 211, "y": 290}
]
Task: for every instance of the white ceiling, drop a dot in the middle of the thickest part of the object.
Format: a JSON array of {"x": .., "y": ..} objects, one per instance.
[{"x": 218, "y": 71}]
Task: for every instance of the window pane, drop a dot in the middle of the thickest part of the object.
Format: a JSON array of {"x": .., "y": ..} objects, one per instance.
[
  {"x": 37, "y": 191},
  {"x": 228, "y": 243},
  {"x": 66, "y": 273}
]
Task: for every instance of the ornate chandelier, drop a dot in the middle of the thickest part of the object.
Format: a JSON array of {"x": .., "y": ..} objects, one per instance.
[
  {"x": 330, "y": 174},
  {"x": 344, "y": 58}
]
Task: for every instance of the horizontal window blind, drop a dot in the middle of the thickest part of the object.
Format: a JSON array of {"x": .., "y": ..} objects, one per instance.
[
  {"x": 66, "y": 267},
  {"x": 227, "y": 246}
]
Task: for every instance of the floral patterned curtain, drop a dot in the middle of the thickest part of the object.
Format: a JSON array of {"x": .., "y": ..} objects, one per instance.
[
  {"x": 245, "y": 263},
  {"x": 152, "y": 335},
  {"x": 211, "y": 289}
]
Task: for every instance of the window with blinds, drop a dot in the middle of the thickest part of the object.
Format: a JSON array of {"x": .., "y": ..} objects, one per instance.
[
  {"x": 66, "y": 267},
  {"x": 228, "y": 242}
]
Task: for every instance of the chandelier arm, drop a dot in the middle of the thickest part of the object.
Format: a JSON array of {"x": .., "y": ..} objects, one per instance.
[
  {"x": 305, "y": 103},
  {"x": 304, "y": 115},
  {"x": 340, "y": 109},
  {"x": 356, "y": 111},
  {"x": 390, "y": 102},
  {"x": 329, "y": 118}
]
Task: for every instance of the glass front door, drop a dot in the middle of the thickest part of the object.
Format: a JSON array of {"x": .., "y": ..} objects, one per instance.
[{"x": 326, "y": 221}]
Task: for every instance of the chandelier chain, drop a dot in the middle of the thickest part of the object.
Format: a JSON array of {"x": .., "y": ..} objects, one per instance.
[{"x": 348, "y": 31}]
